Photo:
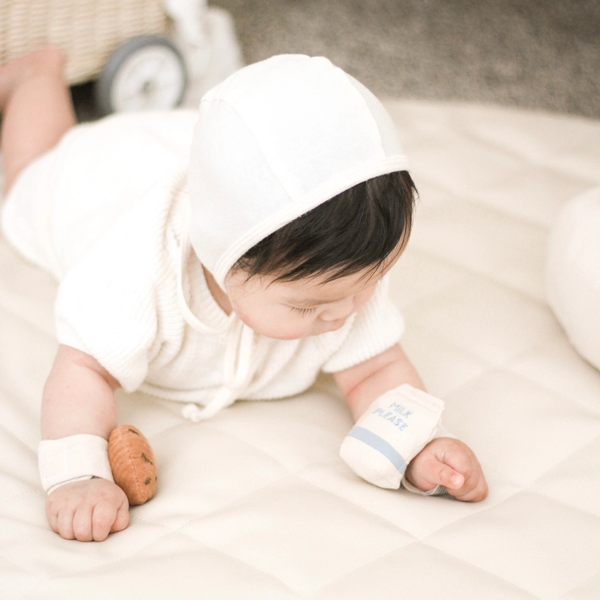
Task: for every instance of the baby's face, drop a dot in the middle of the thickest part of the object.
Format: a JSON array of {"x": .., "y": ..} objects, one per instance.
[
  {"x": 288, "y": 310},
  {"x": 295, "y": 309}
]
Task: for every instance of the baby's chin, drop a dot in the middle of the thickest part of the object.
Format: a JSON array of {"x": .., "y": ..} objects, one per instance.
[
  {"x": 276, "y": 333},
  {"x": 284, "y": 335},
  {"x": 332, "y": 326},
  {"x": 326, "y": 328},
  {"x": 296, "y": 335}
]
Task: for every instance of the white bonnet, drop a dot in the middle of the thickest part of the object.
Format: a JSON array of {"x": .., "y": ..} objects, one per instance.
[{"x": 275, "y": 140}]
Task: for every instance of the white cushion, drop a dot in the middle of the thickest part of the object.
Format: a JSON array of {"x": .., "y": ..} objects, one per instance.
[{"x": 573, "y": 273}]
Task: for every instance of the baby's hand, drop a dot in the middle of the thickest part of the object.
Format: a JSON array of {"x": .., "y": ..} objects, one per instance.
[
  {"x": 87, "y": 510},
  {"x": 448, "y": 462}
]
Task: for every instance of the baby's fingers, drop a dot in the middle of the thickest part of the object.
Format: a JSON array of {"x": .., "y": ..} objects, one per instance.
[
  {"x": 104, "y": 517},
  {"x": 62, "y": 523},
  {"x": 474, "y": 488},
  {"x": 87, "y": 510},
  {"x": 82, "y": 524},
  {"x": 451, "y": 463},
  {"x": 448, "y": 477},
  {"x": 427, "y": 472},
  {"x": 122, "y": 520},
  {"x": 110, "y": 518}
]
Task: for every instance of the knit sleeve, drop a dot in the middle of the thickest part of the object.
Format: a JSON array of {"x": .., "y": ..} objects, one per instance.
[
  {"x": 107, "y": 303},
  {"x": 378, "y": 326}
]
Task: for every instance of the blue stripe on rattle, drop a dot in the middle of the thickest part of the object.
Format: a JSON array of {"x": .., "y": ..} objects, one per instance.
[{"x": 379, "y": 444}]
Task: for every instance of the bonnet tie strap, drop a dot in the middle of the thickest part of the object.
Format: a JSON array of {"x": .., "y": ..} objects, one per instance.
[
  {"x": 239, "y": 369},
  {"x": 241, "y": 357}
]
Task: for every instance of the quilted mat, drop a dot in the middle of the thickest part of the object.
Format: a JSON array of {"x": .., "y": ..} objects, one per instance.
[{"x": 256, "y": 503}]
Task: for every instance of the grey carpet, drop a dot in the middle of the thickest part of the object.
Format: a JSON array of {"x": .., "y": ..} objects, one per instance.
[{"x": 535, "y": 54}]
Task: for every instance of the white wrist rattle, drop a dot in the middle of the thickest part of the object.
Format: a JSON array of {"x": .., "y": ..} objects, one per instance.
[
  {"x": 393, "y": 430},
  {"x": 73, "y": 458}
]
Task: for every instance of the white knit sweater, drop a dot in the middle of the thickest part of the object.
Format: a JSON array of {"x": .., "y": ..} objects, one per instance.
[
  {"x": 120, "y": 304},
  {"x": 82, "y": 212}
]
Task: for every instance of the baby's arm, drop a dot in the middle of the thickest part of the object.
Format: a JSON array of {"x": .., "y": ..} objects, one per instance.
[
  {"x": 444, "y": 460},
  {"x": 79, "y": 398},
  {"x": 368, "y": 380}
]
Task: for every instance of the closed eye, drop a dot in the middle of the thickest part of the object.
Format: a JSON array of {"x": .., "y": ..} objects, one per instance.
[{"x": 303, "y": 311}]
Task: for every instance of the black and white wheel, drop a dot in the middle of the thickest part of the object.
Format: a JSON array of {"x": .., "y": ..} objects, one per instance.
[{"x": 146, "y": 72}]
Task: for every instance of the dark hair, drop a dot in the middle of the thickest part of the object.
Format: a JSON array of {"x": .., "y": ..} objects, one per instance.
[{"x": 354, "y": 231}]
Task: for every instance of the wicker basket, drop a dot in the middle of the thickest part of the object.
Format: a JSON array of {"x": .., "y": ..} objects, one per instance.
[{"x": 87, "y": 30}]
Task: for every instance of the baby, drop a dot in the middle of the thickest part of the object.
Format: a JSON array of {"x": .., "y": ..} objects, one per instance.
[{"x": 238, "y": 269}]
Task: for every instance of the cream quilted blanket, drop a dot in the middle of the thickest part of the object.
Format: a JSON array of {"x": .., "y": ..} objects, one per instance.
[{"x": 256, "y": 503}]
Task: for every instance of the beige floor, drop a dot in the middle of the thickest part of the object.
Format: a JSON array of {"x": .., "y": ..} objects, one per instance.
[{"x": 256, "y": 504}]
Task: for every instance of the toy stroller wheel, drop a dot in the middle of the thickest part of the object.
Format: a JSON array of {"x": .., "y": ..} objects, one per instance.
[{"x": 146, "y": 72}]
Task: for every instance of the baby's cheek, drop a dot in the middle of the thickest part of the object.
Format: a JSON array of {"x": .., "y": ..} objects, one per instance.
[
  {"x": 248, "y": 318},
  {"x": 361, "y": 299},
  {"x": 274, "y": 325},
  {"x": 288, "y": 328}
]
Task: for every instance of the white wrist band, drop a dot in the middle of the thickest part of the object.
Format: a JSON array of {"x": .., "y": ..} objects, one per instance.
[
  {"x": 393, "y": 430},
  {"x": 73, "y": 458}
]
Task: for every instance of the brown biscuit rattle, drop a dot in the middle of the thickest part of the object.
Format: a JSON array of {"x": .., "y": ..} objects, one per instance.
[{"x": 132, "y": 463}]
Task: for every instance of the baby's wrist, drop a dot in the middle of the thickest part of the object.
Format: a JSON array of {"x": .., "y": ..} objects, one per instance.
[
  {"x": 441, "y": 432},
  {"x": 63, "y": 483},
  {"x": 73, "y": 458},
  {"x": 438, "y": 490}
]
